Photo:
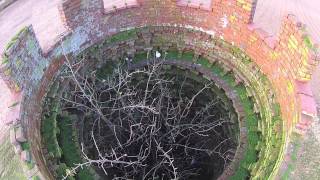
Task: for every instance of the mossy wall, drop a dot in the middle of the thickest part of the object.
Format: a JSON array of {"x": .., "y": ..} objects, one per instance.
[{"x": 283, "y": 62}]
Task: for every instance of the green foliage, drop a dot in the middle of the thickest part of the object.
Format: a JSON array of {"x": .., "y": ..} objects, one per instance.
[
  {"x": 237, "y": 52},
  {"x": 139, "y": 57},
  {"x": 69, "y": 145},
  {"x": 286, "y": 174},
  {"x": 123, "y": 36},
  {"x": 5, "y": 59},
  {"x": 229, "y": 79},
  {"x": 204, "y": 62},
  {"x": 217, "y": 70},
  {"x": 276, "y": 109},
  {"x": 251, "y": 154},
  {"x": 14, "y": 105},
  {"x": 25, "y": 146},
  {"x": 172, "y": 55},
  {"x": 251, "y": 119},
  {"x": 30, "y": 165},
  {"x": 49, "y": 131},
  {"x": 15, "y": 38},
  {"x": 307, "y": 41},
  {"x": 188, "y": 56},
  {"x": 105, "y": 71},
  {"x": 36, "y": 178},
  {"x": 61, "y": 171}
]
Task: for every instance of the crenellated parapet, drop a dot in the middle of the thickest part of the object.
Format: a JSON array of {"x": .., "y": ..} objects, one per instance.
[
  {"x": 286, "y": 60},
  {"x": 23, "y": 62}
]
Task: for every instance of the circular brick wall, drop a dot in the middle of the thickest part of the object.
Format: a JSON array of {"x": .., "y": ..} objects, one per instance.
[{"x": 275, "y": 72}]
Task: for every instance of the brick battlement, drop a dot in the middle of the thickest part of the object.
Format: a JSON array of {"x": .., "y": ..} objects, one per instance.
[
  {"x": 287, "y": 60},
  {"x": 284, "y": 59}
]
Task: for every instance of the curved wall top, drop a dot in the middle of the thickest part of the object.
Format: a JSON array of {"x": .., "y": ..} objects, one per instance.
[{"x": 287, "y": 60}]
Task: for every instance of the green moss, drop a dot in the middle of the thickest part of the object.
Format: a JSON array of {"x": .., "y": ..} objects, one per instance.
[
  {"x": 188, "y": 56},
  {"x": 251, "y": 154},
  {"x": 5, "y": 59},
  {"x": 61, "y": 171},
  {"x": 217, "y": 70},
  {"x": 286, "y": 174},
  {"x": 276, "y": 109},
  {"x": 172, "y": 55},
  {"x": 49, "y": 130},
  {"x": 15, "y": 38},
  {"x": 14, "y": 105},
  {"x": 25, "y": 146},
  {"x": 69, "y": 145},
  {"x": 30, "y": 165},
  {"x": 140, "y": 57},
  {"x": 105, "y": 71},
  {"x": 123, "y": 36},
  {"x": 36, "y": 178},
  {"x": 204, "y": 62},
  {"x": 229, "y": 79},
  {"x": 307, "y": 41}
]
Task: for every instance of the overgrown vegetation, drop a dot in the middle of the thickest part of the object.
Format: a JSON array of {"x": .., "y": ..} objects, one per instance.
[
  {"x": 60, "y": 138},
  {"x": 123, "y": 36},
  {"x": 68, "y": 140},
  {"x": 254, "y": 136},
  {"x": 15, "y": 38},
  {"x": 50, "y": 130}
]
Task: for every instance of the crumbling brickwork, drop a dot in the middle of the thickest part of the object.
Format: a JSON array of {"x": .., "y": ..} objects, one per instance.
[{"x": 287, "y": 60}]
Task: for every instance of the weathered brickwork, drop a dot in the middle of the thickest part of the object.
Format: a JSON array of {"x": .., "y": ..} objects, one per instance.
[{"x": 287, "y": 60}]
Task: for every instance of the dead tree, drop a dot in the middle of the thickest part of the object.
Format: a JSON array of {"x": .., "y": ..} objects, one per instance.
[{"x": 144, "y": 123}]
